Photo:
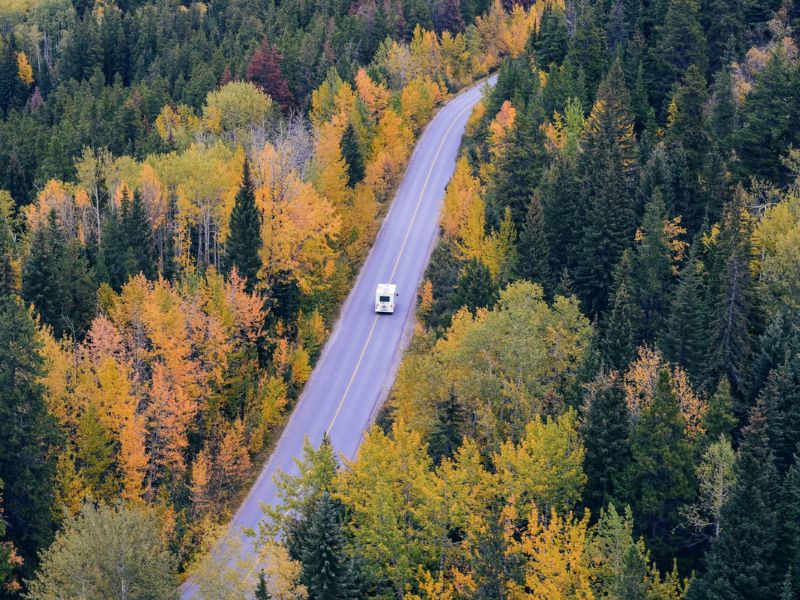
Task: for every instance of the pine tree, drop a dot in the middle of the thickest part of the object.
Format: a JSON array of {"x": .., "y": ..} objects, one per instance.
[
  {"x": 620, "y": 325},
  {"x": 534, "y": 255},
  {"x": 28, "y": 436},
  {"x": 660, "y": 476},
  {"x": 58, "y": 281},
  {"x": 560, "y": 208},
  {"x": 588, "y": 47},
  {"x": 328, "y": 573},
  {"x": 685, "y": 332},
  {"x": 550, "y": 41},
  {"x": 608, "y": 169},
  {"x": 138, "y": 237},
  {"x": 8, "y": 277},
  {"x": 780, "y": 403},
  {"x": 112, "y": 255},
  {"x": 719, "y": 418},
  {"x": 789, "y": 542},
  {"x": 351, "y": 152},
  {"x": 605, "y": 436},
  {"x": 518, "y": 169},
  {"x": 475, "y": 288},
  {"x": 652, "y": 267},
  {"x": 447, "y": 433},
  {"x": 96, "y": 457},
  {"x": 770, "y": 120},
  {"x": 680, "y": 44},
  {"x": 723, "y": 111},
  {"x": 262, "y": 593},
  {"x": 731, "y": 340},
  {"x": 244, "y": 240},
  {"x": 742, "y": 562}
]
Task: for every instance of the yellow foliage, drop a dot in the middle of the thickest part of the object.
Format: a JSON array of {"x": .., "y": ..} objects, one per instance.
[
  {"x": 330, "y": 169},
  {"x": 24, "y": 69}
]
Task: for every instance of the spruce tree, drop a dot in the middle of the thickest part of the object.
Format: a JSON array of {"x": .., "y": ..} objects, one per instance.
[
  {"x": 660, "y": 477},
  {"x": 112, "y": 254},
  {"x": 789, "y": 541},
  {"x": 684, "y": 336},
  {"x": 475, "y": 288},
  {"x": 605, "y": 437},
  {"x": 561, "y": 210},
  {"x": 327, "y": 573},
  {"x": 780, "y": 402},
  {"x": 244, "y": 239},
  {"x": 96, "y": 456},
  {"x": 723, "y": 111},
  {"x": 719, "y": 418},
  {"x": 731, "y": 340},
  {"x": 28, "y": 435},
  {"x": 680, "y": 43},
  {"x": 447, "y": 433},
  {"x": 8, "y": 277},
  {"x": 351, "y": 152},
  {"x": 608, "y": 171},
  {"x": 770, "y": 120},
  {"x": 652, "y": 268},
  {"x": 262, "y": 592},
  {"x": 550, "y": 41},
  {"x": 588, "y": 46},
  {"x": 620, "y": 333},
  {"x": 138, "y": 236},
  {"x": 534, "y": 255},
  {"x": 742, "y": 561},
  {"x": 519, "y": 168}
]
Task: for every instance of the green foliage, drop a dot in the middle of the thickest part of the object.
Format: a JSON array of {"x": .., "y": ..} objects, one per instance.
[
  {"x": 475, "y": 287},
  {"x": 353, "y": 156},
  {"x": 107, "y": 552},
  {"x": 28, "y": 437},
  {"x": 244, "y": 240}
]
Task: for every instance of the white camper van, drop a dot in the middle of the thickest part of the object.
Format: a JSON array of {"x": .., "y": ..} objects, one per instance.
[{"x": 384, "y": 297}]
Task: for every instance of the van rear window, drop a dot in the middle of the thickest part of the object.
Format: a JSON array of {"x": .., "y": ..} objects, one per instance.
[{"x": 384, "y": 298}]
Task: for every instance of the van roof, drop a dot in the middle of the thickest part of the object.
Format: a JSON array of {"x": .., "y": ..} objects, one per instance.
[{"x": 386, "y": 288}]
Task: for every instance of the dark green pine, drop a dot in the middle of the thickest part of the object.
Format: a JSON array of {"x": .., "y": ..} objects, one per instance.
[
  {"x": 608, "y": 164},
  {"x": 244, "y": 239},
  {"x": 684, "y": 337},
  {"x": 605, "y": 435},
  {"x": 475, "y": 288},
  {"x": 534, "y": 252},
  {"x": 731, "y": 341},
  {"x": 138, "y": 236},
  {"x": 660, "y": 477},
  {"x": 327, "y": 570},
  {"x": 447, "y": 433},
  {"x": 770, "y": 120},
  {"x": 8, "y": 278},
  {"x": 780, "y": 401},
  {"x": 790, "y": 530},
  {"x": 351, "y": 152},
  {"x": 262, "y": 592},
  {"x": 620, "y": 326},
  {"x": 719, "y": 418},
  {"x": 560, "y": 194},
  {"x": 28, "y": 435},
  {"x": 742, "y": 561},
  {"x": 550, "y": 42}
]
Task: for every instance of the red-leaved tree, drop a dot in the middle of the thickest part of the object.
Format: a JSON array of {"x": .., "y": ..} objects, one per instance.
[{"x": 264, "y": 70}]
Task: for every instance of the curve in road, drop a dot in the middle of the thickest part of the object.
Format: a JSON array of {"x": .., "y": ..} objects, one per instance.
[{"x": 358, "y": 364}]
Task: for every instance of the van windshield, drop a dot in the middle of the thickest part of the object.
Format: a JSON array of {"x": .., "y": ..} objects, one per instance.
[{"x": 384, "y": 298}]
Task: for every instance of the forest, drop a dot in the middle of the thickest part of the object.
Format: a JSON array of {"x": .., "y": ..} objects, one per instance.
[{"x": 602, "y": 395}]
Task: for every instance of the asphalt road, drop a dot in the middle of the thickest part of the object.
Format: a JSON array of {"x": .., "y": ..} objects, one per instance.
[{"x": 358, "y": 364}]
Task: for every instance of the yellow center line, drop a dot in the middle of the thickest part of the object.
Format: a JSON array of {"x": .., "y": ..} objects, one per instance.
[{"x": 396, "y": 263}]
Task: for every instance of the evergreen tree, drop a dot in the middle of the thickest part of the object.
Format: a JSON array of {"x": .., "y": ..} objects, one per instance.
[
  {"x": 742, "y": 562},
  {"x": 96, "y": 457},
  {"x": 58, "y": 281},
  {"x": 138, "y": 237},
  {"x": 519, "y": 168},
  {"x": 680, "y": 43},
  {"x": 719, "y": 418},
  {"x": 780, "y": 403},
  {"x": 550, "y": 41},
  {"x": 244, "y": 240},
  {"x": 608, "y": 170},
  {"x": 620, "y": 325},
  {"x": 28, "y": 435},
  {"x": 685, "y": 333},
  {"x": 475, "y": 288},
  {"x": 724, "y": 24},
  {"x": 112, "y": 255},
  {"x": 779, "y": 342},
  {"x": 262, "y": 593},
  {"x": 770, "y": 120},
  {"x": 652, "y": 268},
  {"x": 328, "y": 573},
  {"x": 723, "y": 111},
  {"x": 660, "y": 477},
  {"x": 588, "y": 46},
  {"x": 789, "y": 541},
  {"x": 351, "y": 152},
  {"x": 8, "y": 277},
  {"x": 731, "y": 340},
  {"x": 447, "y": 433},
  {"x": 605, "y": 437},
  {"x": 534, "y": 255},
  {"x": 560, "y": 209}
]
